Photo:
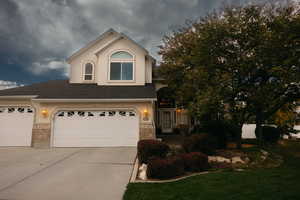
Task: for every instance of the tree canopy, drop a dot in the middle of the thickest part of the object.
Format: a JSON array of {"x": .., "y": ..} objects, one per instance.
[{"x": 244, "y": 61}]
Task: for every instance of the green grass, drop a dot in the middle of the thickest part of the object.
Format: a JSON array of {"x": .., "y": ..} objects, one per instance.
[{"x": 282, "y": 183}]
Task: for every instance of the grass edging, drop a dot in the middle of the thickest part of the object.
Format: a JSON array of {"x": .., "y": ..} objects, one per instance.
[{"x": 174, "y": 179}]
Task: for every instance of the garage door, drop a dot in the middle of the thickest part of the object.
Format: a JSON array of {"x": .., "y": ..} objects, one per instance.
[
  {"x": 95, "y": 128},
  {"x": 16, "y": 126}
]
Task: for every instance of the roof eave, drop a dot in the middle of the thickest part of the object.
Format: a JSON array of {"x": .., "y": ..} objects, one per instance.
[
  {"x": 96, "y": 100},
  {"x": 78, "y": 52},
  {"x": 134, "y": 42}
]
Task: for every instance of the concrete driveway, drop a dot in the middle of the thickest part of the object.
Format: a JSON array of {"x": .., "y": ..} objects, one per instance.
[{"x": 65, "y": 173}]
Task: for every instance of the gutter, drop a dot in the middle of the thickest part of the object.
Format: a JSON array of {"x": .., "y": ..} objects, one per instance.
[
  {"x": 96, "y": 100},
  {"x": 19, "y": 97}
]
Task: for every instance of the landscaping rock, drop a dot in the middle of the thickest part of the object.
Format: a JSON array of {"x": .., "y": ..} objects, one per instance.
[
  {"x": 265, "y": 153},
  {"x": 218, "y": 159},
  {"x": 247, "y": 160},
  {"x": 237, "y": 159},
  {"x": 143, "y": 172},
  {"x": 263, "y": 157}
]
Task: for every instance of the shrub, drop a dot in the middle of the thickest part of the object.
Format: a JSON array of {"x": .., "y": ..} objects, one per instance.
[
  {"x": 270, "y": 135},
  {"x": 222, "y": 130},
  {"x": 181, "y": 129},
  {"x": 158, "y": 131},
  {"x": 165, "y": 168},
  {"x": 203, "y": 143},
  {"x": 151, "y": 148},
  {"x": 176, "y": 131},
  {"x": 184, "y": 129},
  {"x": 195, "y": 161}
]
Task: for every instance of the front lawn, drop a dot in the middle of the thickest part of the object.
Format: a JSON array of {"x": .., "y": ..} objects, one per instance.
[{"x": 282, "y": 183}]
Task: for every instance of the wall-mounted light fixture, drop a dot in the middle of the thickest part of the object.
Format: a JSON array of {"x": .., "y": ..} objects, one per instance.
[
  {"x": 45, "y": 113},
  {"x": 146, "y": 115}
]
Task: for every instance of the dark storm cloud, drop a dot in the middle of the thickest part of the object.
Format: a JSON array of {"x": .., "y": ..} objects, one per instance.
[{"x": 36, "y": 36}]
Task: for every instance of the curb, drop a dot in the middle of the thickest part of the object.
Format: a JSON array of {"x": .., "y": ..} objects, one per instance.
[{"x": 134, "y": 171}]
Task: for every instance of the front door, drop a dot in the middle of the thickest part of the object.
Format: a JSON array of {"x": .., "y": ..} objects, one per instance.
[{"x": 166, "y": 121}]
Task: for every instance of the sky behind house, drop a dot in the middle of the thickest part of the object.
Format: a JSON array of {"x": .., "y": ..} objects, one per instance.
[{"x": 36, "y": 36}]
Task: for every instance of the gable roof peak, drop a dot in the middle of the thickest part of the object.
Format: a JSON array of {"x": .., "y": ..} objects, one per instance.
[{"x": 103, "y": 35}]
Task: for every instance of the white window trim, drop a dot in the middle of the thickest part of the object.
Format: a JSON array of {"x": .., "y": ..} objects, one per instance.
[
  {"x": 122, "y": 61},
  {"x": 84, "y": 74}
]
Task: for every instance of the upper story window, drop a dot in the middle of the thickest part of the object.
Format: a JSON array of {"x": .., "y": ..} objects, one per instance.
[
  {"x": 88, "y": 72},
  {"x": 121, "y": 66}
]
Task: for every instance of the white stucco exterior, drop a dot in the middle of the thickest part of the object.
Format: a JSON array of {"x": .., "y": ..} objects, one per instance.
[{"x": 99, "y": 52}]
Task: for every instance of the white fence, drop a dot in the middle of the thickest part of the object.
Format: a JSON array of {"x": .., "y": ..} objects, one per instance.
[
  {"x": 248, "y": 131},
  {"x": 296, "y": 135}
]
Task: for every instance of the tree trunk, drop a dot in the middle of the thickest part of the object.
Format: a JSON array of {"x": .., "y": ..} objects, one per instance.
[
  {"x": 239, "y": 127},
  {"x": 239, "y": 139},
  {"x": 258, "y": 130}
]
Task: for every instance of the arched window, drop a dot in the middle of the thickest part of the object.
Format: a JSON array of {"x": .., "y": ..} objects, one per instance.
[
  {"x": 121, "y": 66},
  {"x": 88, "y": 72}
]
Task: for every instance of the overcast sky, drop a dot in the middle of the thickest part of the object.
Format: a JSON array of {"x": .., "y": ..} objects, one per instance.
[{"x": 36, "y": 36}]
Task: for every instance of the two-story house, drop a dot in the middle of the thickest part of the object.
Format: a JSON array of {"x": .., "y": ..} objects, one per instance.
[{"x": 109, "y": 100}]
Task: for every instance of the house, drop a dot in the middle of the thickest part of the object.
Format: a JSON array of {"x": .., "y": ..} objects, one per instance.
[{"x": 110, "y": 99}]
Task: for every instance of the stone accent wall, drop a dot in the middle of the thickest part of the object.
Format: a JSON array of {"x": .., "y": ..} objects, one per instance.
[
  {"x": 147, "y": 131},
  {"x": 41, "y": 134}
]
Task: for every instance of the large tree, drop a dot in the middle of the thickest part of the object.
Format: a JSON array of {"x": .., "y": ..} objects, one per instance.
[{"x": 242, "y": 60}]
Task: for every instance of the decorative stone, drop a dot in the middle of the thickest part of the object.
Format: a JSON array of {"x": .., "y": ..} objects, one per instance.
[
  {"x": 237, "y": 159},
  {"x": 263, "y": 157},
  {"x": 218, "y": 159},
  {"x": 143, "y": 172},
  {"x": 265, "y": 153},
  {"x": 247, "y": 160},
  {"x": 147, "y": 131},
  {"x": 41, "y": 135}
]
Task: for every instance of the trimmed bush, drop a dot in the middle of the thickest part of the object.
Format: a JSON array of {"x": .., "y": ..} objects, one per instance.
[
  {"x": 151, "y": 148},
  {"x": 203, "y": 143},
  {"x": 195, "y": 161},
  {"x": 270, "y": 135},
  {"x": 165, "y": 168}
]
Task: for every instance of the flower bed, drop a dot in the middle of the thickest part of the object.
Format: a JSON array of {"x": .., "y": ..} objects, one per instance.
[{"x": 175, "y": 164}]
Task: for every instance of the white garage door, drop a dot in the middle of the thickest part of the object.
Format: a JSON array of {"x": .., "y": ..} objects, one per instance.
[
  {"x": 95, "y": 128},
  {"x": 16, "y": 126}
]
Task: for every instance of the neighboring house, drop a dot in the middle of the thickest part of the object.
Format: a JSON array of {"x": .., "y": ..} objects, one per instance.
[
  {"x": 2, "y": 87},
  {"x": 7, "y": 84},
  {"x": 109, "y": 100}
]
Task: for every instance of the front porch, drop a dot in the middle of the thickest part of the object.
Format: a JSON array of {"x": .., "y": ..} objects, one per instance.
[{"x": 168, "y": 116}]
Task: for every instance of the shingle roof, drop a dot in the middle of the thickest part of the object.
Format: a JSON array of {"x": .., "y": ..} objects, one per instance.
[{"x": 62, "y": 89}]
